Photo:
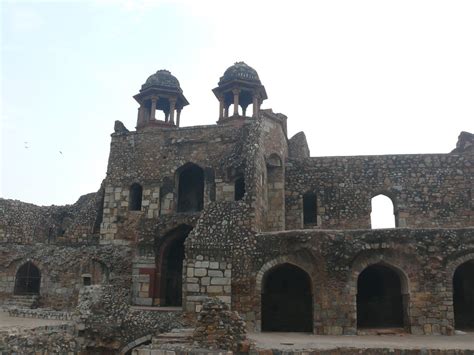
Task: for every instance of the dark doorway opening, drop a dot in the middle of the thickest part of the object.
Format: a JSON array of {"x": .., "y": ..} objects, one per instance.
[
  {"x": 380, "y": 302},
  {"x": 136, "y": 195},
  {"x": 169, "y": 269},
  {"x": 239, "y": 191},
  {"x": 191, "y": 189},
  {"x": 28, "y": 280},
  {"x": 309, "y": 208},
  {"x": 287, "y": 300},
  {"x": 463, "y": 296}
]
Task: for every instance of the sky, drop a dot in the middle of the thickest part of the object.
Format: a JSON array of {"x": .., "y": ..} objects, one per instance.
[{"x": 359, "y": 77}]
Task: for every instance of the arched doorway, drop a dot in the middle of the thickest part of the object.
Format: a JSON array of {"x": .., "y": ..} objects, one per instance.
[
  {"x": 190, "y": 188},
  {"x": 463, "y": 296},
  {"x": 169, "y": 267},
  {"x": 287, "y": 300},
  {"x": 27, "y": 280},
  {"x": 380, "y": 300}
]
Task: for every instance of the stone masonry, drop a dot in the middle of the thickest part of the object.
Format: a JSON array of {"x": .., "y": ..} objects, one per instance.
[{"x": 241, "y": 212}]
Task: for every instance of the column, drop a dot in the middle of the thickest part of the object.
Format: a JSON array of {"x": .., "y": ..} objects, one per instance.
[
  {"x": 236, "y": 101},
  {"x": 226, "y": 112},
  {"x": 221, "y": 107},
  {"x": 255, "y": 105},
  {"x": 141, "y": 116},
  {"x": 172, "y": 107},
  {"x": 153, "y": 108},
  {"x": 178, "y": 115}
]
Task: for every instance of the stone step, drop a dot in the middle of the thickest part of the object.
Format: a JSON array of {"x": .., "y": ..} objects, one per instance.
[{"x": 175, "y": 336}]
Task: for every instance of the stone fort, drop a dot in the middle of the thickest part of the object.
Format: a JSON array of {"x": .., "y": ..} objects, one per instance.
[{"x": 241, "y": 212}]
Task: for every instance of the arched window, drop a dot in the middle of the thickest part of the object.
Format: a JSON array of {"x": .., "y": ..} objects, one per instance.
[
  {"x": 239, "y": 188},
  {"x": 382, "y": 215},
  {"x": 287, "y": 300},
  {"x": 190, "y": 188},
  {"x": 463, "y": 296},
  {"x": 135, "y": 200},
  {"x": 28, "y": 280},
  {"x": 380, "y": 300},
  {"x": 309, "y": 208}
]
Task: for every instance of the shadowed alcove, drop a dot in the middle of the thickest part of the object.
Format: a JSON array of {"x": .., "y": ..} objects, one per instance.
[
  {"x": 287, "y": 300},
  {"x": 380, "y": 300},
  {"x": 27, "y": 280},
  {"x": 463, "y": 296},
  {"x": 190, "y": 188}
]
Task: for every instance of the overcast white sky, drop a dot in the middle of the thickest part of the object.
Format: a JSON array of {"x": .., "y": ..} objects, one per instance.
[{"x": 359, "y": 77}]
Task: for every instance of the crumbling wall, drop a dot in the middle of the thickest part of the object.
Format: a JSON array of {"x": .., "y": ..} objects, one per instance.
[
  {"x": 62, "y": 269},
  {"x": 24, "y": 223},
  {"x": 431, "y": 190}
]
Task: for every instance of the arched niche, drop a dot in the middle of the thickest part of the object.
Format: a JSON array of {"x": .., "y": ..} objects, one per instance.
[
  {"x": 382, "y": 297},
  {"x": 286, "y": 300}
]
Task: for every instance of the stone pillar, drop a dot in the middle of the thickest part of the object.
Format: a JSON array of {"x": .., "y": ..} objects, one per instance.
[
  {"x": 255, "y": 106},
  {"x": 167, "y": 115},
  {"x": 153, "y": 108},
  {"x": 236, "y": 101},
  {"x": 178, "y": 115},
  {"x": 244, "y": 110},
  {"x": 172, "y": 107},
  {"x": 141, "y": 116},
  {"x": 226, "y": 112},
  {"x": 221, "y": 107}
]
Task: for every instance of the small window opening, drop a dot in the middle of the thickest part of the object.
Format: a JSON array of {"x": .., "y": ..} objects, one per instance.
[
  {"x": 136, "y": 192},
  {"x": 382, "y": 215},
  {"x": 239, "y": 189},
  {"x": 191, "y": 189},
  {"x": 87, "y": 280},
  {"x": 309, "y": 208}
]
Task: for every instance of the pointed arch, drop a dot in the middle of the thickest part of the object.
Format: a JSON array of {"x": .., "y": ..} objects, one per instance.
[
  {"x": 383, "y": 213},
  {"x": 170, "y": 253}
]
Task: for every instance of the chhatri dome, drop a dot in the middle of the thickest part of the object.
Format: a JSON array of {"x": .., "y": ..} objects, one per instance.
[
  {"x": 161, "y": 91},
  {"x": 239, "y": 87}
]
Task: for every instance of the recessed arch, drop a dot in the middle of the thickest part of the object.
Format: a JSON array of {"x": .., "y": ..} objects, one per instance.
[
  {"x": 302, "y": 259},
  {"x": 239, "y": 188},
  {"x": 190, "y": 188},
  {"x": 383, "y": 213},
  {"x": 127, "y": 349},
  {"x": 27, "y": 279},
  {"x": 286, "y": 300},
  {"x": 463, "y": 295},
  {"x": 170, "y": 253},
  {"x": 310, "y": 208},
  {"x": 379, "y": 298}
]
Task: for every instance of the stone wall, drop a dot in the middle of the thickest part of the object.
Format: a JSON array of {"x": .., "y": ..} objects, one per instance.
[{"x": 432, "y": 190}]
